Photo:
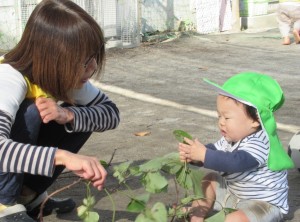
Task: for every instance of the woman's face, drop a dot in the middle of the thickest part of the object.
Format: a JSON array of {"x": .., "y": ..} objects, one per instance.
[{"x": 89, "y": 69}]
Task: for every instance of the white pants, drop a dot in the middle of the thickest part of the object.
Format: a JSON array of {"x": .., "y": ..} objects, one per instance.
[
  {"x": 256, "y": 211},
  {"x": 288, "y": 16}
]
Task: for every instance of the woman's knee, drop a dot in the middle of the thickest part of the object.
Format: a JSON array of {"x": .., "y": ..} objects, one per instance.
[{"x": 27, "y": 123}]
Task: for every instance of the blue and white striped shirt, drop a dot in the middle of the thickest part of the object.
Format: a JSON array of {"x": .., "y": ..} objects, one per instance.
[{"x": 244, "y": 166}]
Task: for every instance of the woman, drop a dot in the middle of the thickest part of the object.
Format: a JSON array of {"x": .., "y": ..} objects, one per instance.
[{"x": 48, "y": 108}]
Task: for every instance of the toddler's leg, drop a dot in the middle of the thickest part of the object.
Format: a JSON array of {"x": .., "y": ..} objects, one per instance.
[
  {"x": 256, "y": 211},
  {"x": 237, "y": 216},
  {"x": 201, "y": 208}
]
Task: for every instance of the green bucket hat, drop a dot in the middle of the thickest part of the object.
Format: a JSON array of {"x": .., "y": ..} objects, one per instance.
[{"x": 265, "y": 94}]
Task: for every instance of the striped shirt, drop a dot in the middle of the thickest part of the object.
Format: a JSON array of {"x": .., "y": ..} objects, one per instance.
[
  {"x": 95, "y": 113},
  {"x": 258, "y": 183}
]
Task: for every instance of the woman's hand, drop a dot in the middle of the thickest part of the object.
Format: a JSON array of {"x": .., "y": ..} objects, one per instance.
[
  {"x": 193, "y": 151},
  {"x": 85, "y": 167},
  {"x": 50, "y": 110}
]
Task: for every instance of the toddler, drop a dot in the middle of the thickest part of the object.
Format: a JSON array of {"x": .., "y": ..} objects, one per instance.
[{"x": 249, "y": 158}]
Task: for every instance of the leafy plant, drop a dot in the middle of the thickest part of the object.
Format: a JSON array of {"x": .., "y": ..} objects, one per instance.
[
  {"x": 154, "y": 175},
  {"x": 85, "y": 211}
]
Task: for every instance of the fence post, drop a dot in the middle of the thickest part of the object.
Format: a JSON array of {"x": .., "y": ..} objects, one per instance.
[{"x": 236, "y": 21}]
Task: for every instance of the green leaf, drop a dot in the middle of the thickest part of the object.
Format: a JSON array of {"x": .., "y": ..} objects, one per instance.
[
  {"x": 81, "y": 211},
  {"x": 123, "y": 167},
  {"x": 89, "y": 201},
  {"x": 143, "y": 218},
  {"x": 135, "y": 171},
  {"x": 191, "y": 179},
  {"x": 170, "y": 157},
  {"x": 184, "y": 180},
  {"x": 180, "y": 135},
  {"x": 104, "y": 164},
  {"x": 91, "y": 217},
  {"x": 151, "y": 165},
  {"x": 171, "y": 211},
  {"x": 197, "y": 176},
  {"x": 171, "y": 163},
  {"x": 159, "y": 212},
  {"x": 121, "y": 171},
  {"x": 154, "y": 182},
  {"x": 85, "y": 202},
  {"x": 138, "y": 204}
]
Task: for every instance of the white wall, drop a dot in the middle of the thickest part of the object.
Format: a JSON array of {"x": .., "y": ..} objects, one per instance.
[
  {"x": 203, "y": 16},
  {"x": 166, "y": 15}
]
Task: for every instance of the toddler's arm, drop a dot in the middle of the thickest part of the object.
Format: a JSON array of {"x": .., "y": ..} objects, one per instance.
[{"x": 230, "y": 162}]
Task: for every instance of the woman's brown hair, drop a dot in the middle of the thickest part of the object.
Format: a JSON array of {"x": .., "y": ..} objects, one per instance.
[{"x": 58, "y": 39}]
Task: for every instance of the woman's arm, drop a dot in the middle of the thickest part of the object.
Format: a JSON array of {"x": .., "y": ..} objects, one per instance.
[
  {"x": 85, "y": 167},
  {"x": 93, "y": 111},
  {"x": 23, "y": 158},
  {"x": 99, "y": 115}
]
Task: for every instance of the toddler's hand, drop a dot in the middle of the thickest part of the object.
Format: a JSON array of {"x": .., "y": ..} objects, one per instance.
[{"x": 192, "y": 151}]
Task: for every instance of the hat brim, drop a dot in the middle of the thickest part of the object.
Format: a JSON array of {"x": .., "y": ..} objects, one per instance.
[{"x": 223, "y": 92}]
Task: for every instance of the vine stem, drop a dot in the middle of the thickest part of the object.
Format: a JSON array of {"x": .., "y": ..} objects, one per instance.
[
  {"x": 112, "y": 157},
  {"x": 177, "y": 199},
  {"x": 113, "y": 204},
  {"x": 186, "y": 168},
  {"x": 40, "y": 216}
]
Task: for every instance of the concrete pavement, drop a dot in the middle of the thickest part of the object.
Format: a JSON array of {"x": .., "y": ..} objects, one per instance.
[{"x": 158, "y": 88}]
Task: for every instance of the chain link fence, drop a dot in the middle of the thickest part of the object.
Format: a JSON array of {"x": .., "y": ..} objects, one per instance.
[
  {"x": 127, "y": 22},
  {"x": 118, "y": 19}
]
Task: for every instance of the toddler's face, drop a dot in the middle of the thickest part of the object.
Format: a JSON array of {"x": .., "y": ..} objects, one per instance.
[{"x": 234, "y": 123}]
